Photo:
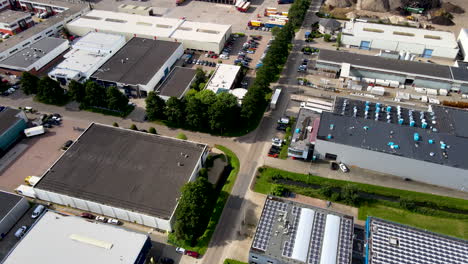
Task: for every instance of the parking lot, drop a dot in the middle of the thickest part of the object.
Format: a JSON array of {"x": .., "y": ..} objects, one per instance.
[{"x": 40, "y": 153}]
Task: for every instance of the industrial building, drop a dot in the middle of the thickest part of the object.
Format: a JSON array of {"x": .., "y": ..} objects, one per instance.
[
  {"x": 224, "y": 78},
  {"x": 139, "y": 66},
  {"x": 13, "y": 22},
  {"x": 415, "y": 145},
  {"x": 463, "y": 43},
  {"x": 134, "y": 9},
  {"x": 417, "y": 74},
  {"x": 389, "y": 242},
  {"x": 34, "y": 57},
  {"x": 177, "y": 83},
  {"x": 192, "y": 35},
  {"x": 12, "y": 208},
  {"x": 421, "y": 42},
  {"x": 60, "y": 12},
  {"x": 86, "y": 56},
  {"x": 329, "y": 26},
  {"x": 125, "y": 174},
  {"x": 304, "y": 134},
  {"x": 56, "y": 238},
  {"x": 293, "y": 233},
  {"x": 11, "y": 128}
]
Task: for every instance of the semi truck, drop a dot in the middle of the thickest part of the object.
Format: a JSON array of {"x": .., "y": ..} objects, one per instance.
[
  {"x": 244, "y": 7},
  {"x": 277, "y": 23},
  {"x": 255, "y": 23},
  {"x": 34, "y": 131}
]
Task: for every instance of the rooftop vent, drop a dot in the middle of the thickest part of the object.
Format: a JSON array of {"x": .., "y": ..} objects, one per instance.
[{"x": 180, "y": 164}]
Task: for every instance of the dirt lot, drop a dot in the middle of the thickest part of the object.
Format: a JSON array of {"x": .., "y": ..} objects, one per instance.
[{"x": 41, "y": 153}]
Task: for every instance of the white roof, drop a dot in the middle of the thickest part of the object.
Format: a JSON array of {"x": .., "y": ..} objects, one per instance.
[
  {"x": 330, "y": 240},
  {"x": 223, "y": 78},
  {"x": 239, "y": 93},
  {"x": 97, "y": 41},
  {"x": 303, "y": 235},
  {"x": 152, "y": 26},
  {"x": 401, "y": 34},
  {"x": 55, "y": 238}
]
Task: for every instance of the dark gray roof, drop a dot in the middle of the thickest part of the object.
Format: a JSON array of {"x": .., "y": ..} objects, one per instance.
[
  {"x": 452, "y": 120},
  {"x": 384, "y": 64},
  {"x": 124, "y": 168},
  {"x": 25, "y": 57},
  {"x": 9, "y": 16},
  {"x": 177, "y": 82},
  {"x": 301, "y": 140},
  {"x": 142, "y": 59},
  {"x": 459, "y": 74},
  {"x": 350, "y": 131},
  {"x": 7, "y": 202},
  {"x": 8, "y": 118},
  {"x": 329, "y": 23}
]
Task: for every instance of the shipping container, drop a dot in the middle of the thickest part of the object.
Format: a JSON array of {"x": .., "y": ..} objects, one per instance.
[
  {"x": 272, "y": 24},
  {"x": 255, "y": 23},
  {"x": 275, "y": 98}
]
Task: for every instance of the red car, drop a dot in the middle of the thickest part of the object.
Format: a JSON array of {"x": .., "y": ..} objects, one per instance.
[
  {"x": 193, "y": 254},
  {"x": 88, "y": 215}
]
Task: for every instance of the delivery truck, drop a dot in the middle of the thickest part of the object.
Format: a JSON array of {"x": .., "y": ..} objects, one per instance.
[
  {"x": 32, "y": 180},
  {"x": 34, "y": 131},
  {"x": 244, "y": 7}
]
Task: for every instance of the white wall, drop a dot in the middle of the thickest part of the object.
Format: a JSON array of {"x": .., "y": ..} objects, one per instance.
[{"x": 463, "y": 43}]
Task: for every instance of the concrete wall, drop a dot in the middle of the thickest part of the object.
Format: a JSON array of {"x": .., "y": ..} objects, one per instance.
[
  {"x": 12, "y": 134},
  {"x": 463, "y": 43},
  {"x": 13, "y": 216},
  {"x": 416, "y": 170}
]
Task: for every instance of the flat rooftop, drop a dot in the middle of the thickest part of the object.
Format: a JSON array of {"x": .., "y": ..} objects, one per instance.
[
  {"x": 125, "y": 169},
  {"x": 7, "y": 202},
  {"x": 299, "y": 233},
  {"x": 160, "y": 27},
  {"x": 378, "y": 135},
  {"x": 71, "y": 8},
  {"x": 223, "y": 78},
  {"x": 76, "y": 240},
  {"x": 402, "y": 34},
  {"x": 301, "y": 137},
  {"x": 390, "y": 242},
  {"x": 30, "y": 55},
  {"x": 8, "y": 117},
  {"x": 9, "y": 16},
  {"x": 137, "y": 62},
  {"x": 177, "y": 82}
]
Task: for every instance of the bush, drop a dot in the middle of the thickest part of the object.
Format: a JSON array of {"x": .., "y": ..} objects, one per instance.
[
  {"x": 327, "y": 37},
  {"x": 407, "y": 204},
  {"x": 115, "y": 124},
  {"x": 181, "y": 136},
  {"x": 203, "y": 173},
  {"x": 133, "y": 127},
  {"x": 152, "y": 130},
  {"x": 350, "y": 194},
  {"x": 326, "y": 190},
  {"x": 278, "y": 190}
]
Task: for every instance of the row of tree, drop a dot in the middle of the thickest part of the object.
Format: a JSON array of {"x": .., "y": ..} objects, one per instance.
[{"x": 89, "y": 94}]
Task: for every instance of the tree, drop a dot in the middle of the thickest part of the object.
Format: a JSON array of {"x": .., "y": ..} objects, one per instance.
[
  {"x": 195, "y": 112},
  {"x": 50, "y": 92},
  {"x": 200, "y": 77},
  {"x": 4, "y": 86},
  {"x": 133, "y": 127},
  {"x": 155, "y": 106},
  {"x": 327, "y": 37},
  {"x": 152, "y": 130},
  {"x": 223, "y": 113},
  {"x": 181, "y": 136},
  {"x": 29, "y": 83},
  {"x": 194, "y": 210},
  {"x": 338, "y": 41},
  {"x": 253, "y": 104},
  {"x": 116, "y": 100},
  {"x": 278, "y": 190},
  {"x": 175, "y": 111},
  {"x": 115, "y": 124},
  {"x": 95, "y": 95},
  {"x": 76, "y": 91}
]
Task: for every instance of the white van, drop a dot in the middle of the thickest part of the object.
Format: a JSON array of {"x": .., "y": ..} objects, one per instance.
[
  {"x": 20, "y": 232},
  {"x": 37, "y": 211}
]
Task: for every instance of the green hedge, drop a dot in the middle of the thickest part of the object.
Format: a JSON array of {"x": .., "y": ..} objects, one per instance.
[{"x": 233, "y": 261}]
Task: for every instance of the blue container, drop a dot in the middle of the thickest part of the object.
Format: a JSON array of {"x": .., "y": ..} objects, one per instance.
[
  {"x": 412, "y": 123},
  {"x": 416, "y": 137}
]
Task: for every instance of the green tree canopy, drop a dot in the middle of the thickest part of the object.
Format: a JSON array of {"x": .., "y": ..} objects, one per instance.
[
  {"x": 76, "y": 91},
  {"x": 224, "y": 112},
  {"x": 175, "y": 111},
  {"x": 152, "y": 130},
  {"x": 95, "y": 95},
  {"x": 29, "y": 83},
  {"x": 194, "y": 210},
  {"x": 195, "y": 112},
  {"x": 50, "y": 92},
  {"x": 155, "y": 106},
  {"x": 116, "y": 100}
]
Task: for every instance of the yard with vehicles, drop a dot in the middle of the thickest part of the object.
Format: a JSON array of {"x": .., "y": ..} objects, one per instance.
[{"x": 413, "y": 208}]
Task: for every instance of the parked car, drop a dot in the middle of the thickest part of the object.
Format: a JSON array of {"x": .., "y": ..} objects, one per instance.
[
  {"x": 88, "y": 216},
  {"x": 343, "y": 167},
  {"x": 166, "y": 261},
  {"x": 101, "y": 219},
  {"x": 67, "y": 144},
  {"x": 192, "y": 254},
  {"x": 180, "y": 250},
  {"x": 38, "y": 211},
  {"x": 113, "y": 221},
  {"x": 277, "y": 142},
  {"x": 20, "y": 232},
  {"x": 281, "y": 127}
]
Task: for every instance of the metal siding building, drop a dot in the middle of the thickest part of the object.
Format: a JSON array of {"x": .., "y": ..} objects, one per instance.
[
  {"x": 12, "y": 208},
  {"x": 125, "y": 174},
  {"x": 422, "y": 42},
  {"x": 13, "y": 122}
]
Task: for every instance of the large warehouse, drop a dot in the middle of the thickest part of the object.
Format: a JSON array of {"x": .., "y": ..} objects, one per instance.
[
  {"x": 86, "y": 56},
  {"x": 125, "y": 174},
  {"x": 11, "y": 127},
  {"x": 389, "y": 242},
  {"x": 12, "y": 208},
  {"x": 411, "y": 144},
  {"x": 139, "y": 66},
  {"x": 36, "y": 56},
  {"x": 421, "y": 42},
  {"x": 424, "y": 75},
  {"x": 193, "y": 35},
  {"x": 293, "y": 233},
  {"x": 58, "y": 238}
]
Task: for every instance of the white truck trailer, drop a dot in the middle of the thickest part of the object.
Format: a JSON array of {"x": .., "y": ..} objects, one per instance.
[{"x": 34, "y": 131}]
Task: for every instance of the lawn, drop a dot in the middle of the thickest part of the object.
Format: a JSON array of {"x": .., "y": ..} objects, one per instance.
[
  {"x": 233, "y": 261},
  {"x": 204, "y": 240},
  {"x": 433, "y": 219}
]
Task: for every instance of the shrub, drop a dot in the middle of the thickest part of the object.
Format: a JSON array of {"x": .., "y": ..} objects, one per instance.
[
  {"x": 115, "y": 124},
  {"x": 152, "y": 130},
  {"x": 133, "y": 127},
  {"x": 326, "y": 190},
  {"x": 278, "y": 190},
  {"x": 327, "y": 37},
  {"x": 181, "y": 136}
]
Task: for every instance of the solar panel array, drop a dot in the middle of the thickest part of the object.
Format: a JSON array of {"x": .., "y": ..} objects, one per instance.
[
  {"x": 345, "y": 246},
  {"x": 316, "y": 238},
  {"x": 413, "y": 246},
  {"x": 265, "y": 225},
  {"x": 289, "y": 244}
]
